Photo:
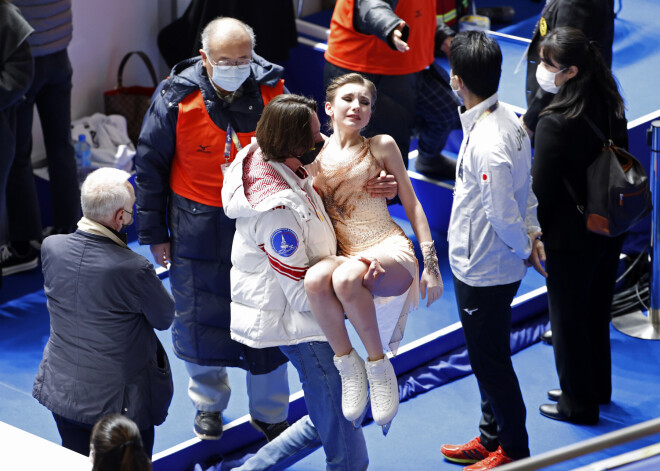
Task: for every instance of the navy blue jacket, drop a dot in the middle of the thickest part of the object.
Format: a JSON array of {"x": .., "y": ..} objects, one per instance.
[
  {"x": 200, "y": 235},
  {"x": 157, "y": 142}
]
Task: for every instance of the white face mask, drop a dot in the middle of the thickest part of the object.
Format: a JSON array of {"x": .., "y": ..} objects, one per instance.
[
  {"x": 546, "y": 79},
  {"x": 458, "y": 97},
  {"x": 230, "y": 77}
]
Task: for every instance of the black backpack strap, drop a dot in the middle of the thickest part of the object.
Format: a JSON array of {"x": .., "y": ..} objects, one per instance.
[
  {"x": 606, "y": 142},
  {"x": 571, "y": 192}
]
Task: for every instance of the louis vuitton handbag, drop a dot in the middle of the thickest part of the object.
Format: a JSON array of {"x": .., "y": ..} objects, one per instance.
[{"x": 131, "y": 102}]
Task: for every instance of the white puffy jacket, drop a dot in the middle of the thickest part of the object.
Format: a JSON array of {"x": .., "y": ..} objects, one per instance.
[
  {"x": 494, "y": 206},
  {"x": 281, "y": 230}
]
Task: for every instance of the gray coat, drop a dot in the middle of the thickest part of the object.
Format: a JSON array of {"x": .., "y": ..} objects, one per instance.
[{"x": 104, "y": 302}]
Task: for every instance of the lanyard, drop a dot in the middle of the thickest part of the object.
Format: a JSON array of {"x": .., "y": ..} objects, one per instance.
[
  {"x": 231, "y": 136},
  {"x": 492, "y": 108}
]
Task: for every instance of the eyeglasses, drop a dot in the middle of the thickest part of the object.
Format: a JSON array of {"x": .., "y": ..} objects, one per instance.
[
  {"x": 229, "y": 63},
  {"x": 129, "y": 212}
]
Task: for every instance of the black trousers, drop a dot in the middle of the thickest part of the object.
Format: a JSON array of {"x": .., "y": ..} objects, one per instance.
[
  {"x": 580, "y": 289},
  {"x": 76, "y": 435},
  {"x": 51, "y": 92},
  {"x": 485, "y": 314}
]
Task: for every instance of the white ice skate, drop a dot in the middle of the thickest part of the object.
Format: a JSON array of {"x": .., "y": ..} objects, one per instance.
[
  {"x": 354, "y": 387},
  {"x": 384, "y": 392}
]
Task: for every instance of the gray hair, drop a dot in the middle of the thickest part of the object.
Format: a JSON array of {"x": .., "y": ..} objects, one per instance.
[
  {"x": 103, "y": 193},
  {"x": 221, "y": 21}
]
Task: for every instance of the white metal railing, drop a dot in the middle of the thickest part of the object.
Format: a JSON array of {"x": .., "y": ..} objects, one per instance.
[{"x": 585, "y": 447}]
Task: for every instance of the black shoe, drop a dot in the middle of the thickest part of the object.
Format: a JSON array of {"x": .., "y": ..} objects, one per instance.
[
  {"x": 546, "y": 337},
  {"x": 550, "y": 411},
  {"x": 555, "y": 394},
  {"x": 269, "y": 430},
  {"x": 439, "y": 167},
  {"x": 208, "y": 425},
  {"x": 12, "y": 262}
]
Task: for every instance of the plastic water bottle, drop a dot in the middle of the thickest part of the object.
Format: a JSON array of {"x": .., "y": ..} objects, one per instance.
[{"x": 83, "y": 151}]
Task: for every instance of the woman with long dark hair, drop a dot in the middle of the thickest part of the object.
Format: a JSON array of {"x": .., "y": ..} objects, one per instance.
[
  {"x": 116, "y": 445},
  {"x": 581, "y": 265}
]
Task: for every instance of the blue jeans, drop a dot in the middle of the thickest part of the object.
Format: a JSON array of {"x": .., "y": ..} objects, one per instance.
[
  {"x": 345, "y": 448},
  {"x": 292, "y": 445}
]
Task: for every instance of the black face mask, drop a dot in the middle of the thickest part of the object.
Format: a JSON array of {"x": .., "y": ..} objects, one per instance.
[
  {"x": 309, "y": 156},
  {"x": 124, "y": 227},
  {"x": 123, "y": 236}
]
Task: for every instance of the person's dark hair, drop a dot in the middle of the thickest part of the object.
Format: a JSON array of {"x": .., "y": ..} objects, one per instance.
[
  {"x": 353, "y": 77},
  {"x": 117, "y": 445},
  {"x": 285, "y": 129},
  {"x": 567, "y": 46},
  {"x": 477, "y": 59}
]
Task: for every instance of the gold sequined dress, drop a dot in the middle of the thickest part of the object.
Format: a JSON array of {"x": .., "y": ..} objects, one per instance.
[{"x": 364, "y": 227}]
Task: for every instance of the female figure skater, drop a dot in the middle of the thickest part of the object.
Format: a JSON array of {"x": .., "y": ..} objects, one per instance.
[{"x": 365, "y": 231}]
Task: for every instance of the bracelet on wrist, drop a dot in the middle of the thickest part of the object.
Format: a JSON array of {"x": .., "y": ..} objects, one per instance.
[{"x": 430, "y": 258}]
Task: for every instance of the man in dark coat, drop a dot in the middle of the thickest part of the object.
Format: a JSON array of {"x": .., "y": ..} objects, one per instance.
[
  {"x": 595, "y": 18},
  {"x": 104, "y": 301},
  {"x": 16, "y": 72},
  {"x": 200, "y": 116},
  {"x": 50, "y": 91}
]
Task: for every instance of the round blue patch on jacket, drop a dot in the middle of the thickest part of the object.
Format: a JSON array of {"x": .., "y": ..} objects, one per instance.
[{"x": 284, "y": 242}]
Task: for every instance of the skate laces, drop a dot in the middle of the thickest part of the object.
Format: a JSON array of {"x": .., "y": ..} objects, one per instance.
[
  {"x": 380, "y": 385},
  {"x": 351, "y": 381}
]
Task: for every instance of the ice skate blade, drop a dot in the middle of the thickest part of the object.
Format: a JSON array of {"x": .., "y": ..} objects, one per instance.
[
  {"x": 386, "y": 428},
  {"x": 357, "y": 423}
]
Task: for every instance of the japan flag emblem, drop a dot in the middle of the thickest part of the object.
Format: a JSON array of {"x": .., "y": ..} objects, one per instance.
[{"x": 485, "y": 177}]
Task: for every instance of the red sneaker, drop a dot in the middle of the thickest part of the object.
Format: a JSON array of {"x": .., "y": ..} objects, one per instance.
[
  {"x": 495, "y": 459},
  {"x": 472, "y": 452}
]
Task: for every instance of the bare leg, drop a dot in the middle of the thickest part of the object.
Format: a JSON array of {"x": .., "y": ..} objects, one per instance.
[
  {"x": 357, "y": 300},
  {"x": 327, "y": 309}
]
